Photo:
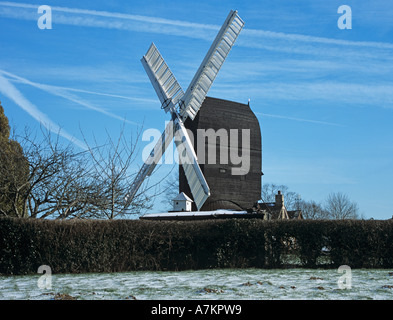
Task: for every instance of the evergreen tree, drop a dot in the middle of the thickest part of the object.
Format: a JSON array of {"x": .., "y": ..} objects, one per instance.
[
  {"x": 4, "y": 126},
  {"x": 14, "y": 172}
]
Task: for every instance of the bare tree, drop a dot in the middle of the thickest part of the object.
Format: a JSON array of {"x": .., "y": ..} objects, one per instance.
[
  {"x": 339, "y": 206},
  {"x": 171, "y": 188},
  {"x": 55, "y": 175},
  {"x": 63, "y": 183},
  {"x": 312, "y": 210},
  {"x": 269, "y": 191},
  {"x": 111, "y": 172}
]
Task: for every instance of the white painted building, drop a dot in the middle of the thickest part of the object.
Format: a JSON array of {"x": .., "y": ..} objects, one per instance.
[{"x": 182, "y": 203}]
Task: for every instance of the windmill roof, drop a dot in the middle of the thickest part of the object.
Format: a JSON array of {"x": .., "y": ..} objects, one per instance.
[{"x": 182, "y": 196}]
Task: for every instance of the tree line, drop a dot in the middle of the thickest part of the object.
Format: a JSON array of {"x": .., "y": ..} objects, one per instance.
[
  {"x": 337, "y": 205},
  {"x": 42, "y": 177}
]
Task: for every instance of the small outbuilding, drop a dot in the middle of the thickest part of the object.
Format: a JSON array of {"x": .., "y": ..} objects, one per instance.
[{"x": 182, "y": 203}]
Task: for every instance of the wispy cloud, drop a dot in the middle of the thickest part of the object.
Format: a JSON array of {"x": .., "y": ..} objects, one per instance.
[
  {"x": 313, "y": 39},
  {"x": 298, "y": 119},
  {"x": 64, "y": 92},
  {"x": 312, "y": 87},
  {"x": 116, "y": 15},
  {"x": 10, "y": 91},
  {"x": 107, "y": 94},
  {"x": 335, "y": 92},
  {"x": 110, "y": 20},
  {"x": 250, "y": 37}
]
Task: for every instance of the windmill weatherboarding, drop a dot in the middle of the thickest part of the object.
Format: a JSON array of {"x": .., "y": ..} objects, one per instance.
[{"x": 184, "y": 105}]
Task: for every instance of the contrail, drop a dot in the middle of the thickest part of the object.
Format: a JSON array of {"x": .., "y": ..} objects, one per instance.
[
  {"x": 314, "y": 39},
  {"x": 25, "y": 81},
  {"x": 62, "y": 92},
  {"x": 10, "y": 91},
  {"x": 299, "y": 119},
  {"x": 106, "y": 94},
  {"x": 117, "y": 15},
  {"x": 179, "y": 27}
]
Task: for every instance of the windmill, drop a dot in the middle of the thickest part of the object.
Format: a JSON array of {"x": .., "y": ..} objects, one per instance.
[{"x": 182, "y": 105}]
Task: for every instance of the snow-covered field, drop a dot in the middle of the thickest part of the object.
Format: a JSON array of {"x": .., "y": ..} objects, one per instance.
[{"x": 204, "y": 284}]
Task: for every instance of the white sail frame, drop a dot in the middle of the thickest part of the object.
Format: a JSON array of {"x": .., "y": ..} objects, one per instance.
[{"x": 211, "y": 64}]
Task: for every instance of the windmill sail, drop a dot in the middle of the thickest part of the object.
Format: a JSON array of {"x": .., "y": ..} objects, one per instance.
[
  {"x": 151, "y": 162},
  {"x": 164, "y": 82},
  {"x": 210, "y": 66},
  {"x": 189, "y": 161}
]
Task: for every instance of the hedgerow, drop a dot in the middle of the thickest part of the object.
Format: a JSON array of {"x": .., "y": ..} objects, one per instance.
[{"x": 80, "y": 246}]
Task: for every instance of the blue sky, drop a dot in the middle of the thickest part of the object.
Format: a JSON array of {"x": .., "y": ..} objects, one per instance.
[{"x": 323, "y": 95}]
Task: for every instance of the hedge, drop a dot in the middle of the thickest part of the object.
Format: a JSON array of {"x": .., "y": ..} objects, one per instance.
[{"x": 81, "y": 246}]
